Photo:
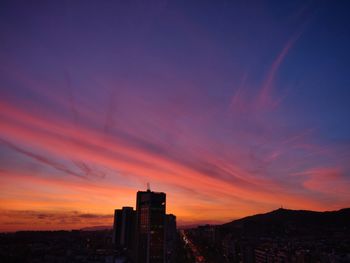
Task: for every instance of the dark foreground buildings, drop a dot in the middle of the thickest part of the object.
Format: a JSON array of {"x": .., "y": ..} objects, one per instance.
[
  {"x": 150, "y": 226},
  {"x": 146, "y": 235},
  {"x": 123, "y": 228}
]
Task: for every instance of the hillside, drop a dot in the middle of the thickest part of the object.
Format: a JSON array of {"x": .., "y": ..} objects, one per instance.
[{"x": 285, "y": 222}]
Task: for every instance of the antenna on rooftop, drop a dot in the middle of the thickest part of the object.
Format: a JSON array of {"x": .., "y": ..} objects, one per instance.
[{"x": 148, "y": 187}]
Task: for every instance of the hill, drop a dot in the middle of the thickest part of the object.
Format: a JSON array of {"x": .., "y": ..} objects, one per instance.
[{"x": 285, "y": 222}]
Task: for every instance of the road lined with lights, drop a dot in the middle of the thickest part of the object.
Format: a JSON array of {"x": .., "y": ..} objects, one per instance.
[{"x": 198, "y": 257}]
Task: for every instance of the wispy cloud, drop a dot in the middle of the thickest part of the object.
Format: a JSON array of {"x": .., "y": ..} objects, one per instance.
[
  {"x": 42, "y": 159},
  {"x": 328, "y": 180},
  {"x": 146, "y": 160},
  {"x": 265, "y": 97}
]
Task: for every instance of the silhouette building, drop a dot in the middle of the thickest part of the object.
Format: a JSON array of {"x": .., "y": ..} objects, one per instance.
[
  {"x": 150, "y": 227},
  {"x": 170, "y": 236},
  {"x": 124, "y": 228},
  {"x": 146, "y": 235}
]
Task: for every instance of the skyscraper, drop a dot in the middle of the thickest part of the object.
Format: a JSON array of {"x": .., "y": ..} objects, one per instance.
[
  {"x": 170, "y": 237},
  {"x": 124, "y": 228},
  {"x": 150, "y": 224}
]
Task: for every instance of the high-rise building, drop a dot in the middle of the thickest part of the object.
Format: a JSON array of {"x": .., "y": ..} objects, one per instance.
[
  {"x": 116, "y": 230},
  {"x": 150, "y": 227},
  {"x": 170, "y": 237},
  {"x": 124, "y": 228}
]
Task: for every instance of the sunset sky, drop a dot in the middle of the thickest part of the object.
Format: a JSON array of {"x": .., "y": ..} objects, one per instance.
[{"x": 229, "y": 107}]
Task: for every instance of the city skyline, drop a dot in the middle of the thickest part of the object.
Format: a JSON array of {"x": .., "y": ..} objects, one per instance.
[
  {"x": 148, "y": 233},
  {"x": 232, "y": 109}
]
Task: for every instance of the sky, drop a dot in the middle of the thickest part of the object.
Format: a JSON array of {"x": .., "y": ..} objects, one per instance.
[{"x": 231, "y": 108}]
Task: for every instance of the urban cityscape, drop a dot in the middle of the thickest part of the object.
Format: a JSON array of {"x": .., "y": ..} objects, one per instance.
[
  {"x": 146, "y": 234},
  {"x": 174, "y": 131},
  {"x": 149, "y": 235}
]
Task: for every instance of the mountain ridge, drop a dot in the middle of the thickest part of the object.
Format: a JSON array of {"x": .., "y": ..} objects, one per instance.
[
  {"x": 284, "y": 222},
  {"x": 292, "y": 212}
]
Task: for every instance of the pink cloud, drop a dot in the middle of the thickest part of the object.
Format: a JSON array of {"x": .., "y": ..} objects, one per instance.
[{"x": 330, "y": 181}]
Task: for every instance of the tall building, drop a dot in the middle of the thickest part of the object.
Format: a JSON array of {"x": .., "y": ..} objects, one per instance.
[
  {"x": 150, "y": 227},
  {"x": 170, "y": 237},
  {"x": 124, "y": 228}
]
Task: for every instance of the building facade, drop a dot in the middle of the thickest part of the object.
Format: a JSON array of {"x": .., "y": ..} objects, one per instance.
[
  {"x": 124, "y": 228},
  {"x": 170, "y": 237},
  {"x": 150, "y": 226}
]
